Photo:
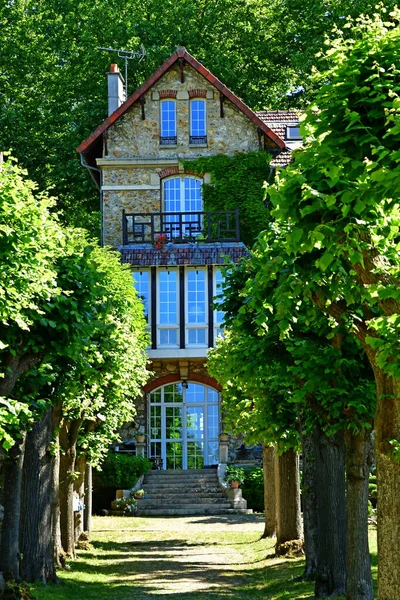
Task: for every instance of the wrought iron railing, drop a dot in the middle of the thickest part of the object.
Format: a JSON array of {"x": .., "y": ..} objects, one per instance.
[
  {"x": 167, "y": 140},
  {"x": 177, "y": 227},
  {"x": 197, "y": 139}
]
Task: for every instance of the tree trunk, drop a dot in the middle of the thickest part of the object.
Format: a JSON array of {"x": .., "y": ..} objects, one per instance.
[
  {"x": 331, "y": 506},
  {"x": 79, "y": 491},
  {"x": 9, "y": 550},
  {"x": 387, "y": 428},
  {"x": 56, "y": 533},
  {"x": 87, "y": 515},
  {"x": 359, "y": 577},
  {"x": 287, "y": 487},
  {"x": 67, "y": 464},
  {"x": 68, "y": 437},
  {"x": 36, "y": 547},
  {"x": 310, "y": 516},
  {"x": 268, "y": 454}
]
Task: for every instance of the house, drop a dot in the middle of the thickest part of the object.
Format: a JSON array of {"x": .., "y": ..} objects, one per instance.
[{"x": 152, "y": 211}]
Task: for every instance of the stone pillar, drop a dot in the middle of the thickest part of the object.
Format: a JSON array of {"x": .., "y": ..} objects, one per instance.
[
  {"x": 223, "y": 452},
  {"x": 140, "y": 448}
]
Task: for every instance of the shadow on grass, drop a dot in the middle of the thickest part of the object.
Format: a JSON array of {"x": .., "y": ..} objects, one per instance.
[
  {"x": 155, "y": 570},
  {"x": 166, "y": 566}
]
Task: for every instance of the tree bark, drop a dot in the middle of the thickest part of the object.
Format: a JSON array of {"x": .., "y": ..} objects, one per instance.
[
  {"x": 79, "y": 491},
  {"x": 268, "y": 454},
  {"x": 68, "y": 437},
  {"x": 331, "y": 507},
  {"x": 56, "y": 532},
  {"x": 87, "y": 515},
  {"x": 310, "y": 515},
  {"x": 359, "y": 577},
  {"x": 287, "y": 487},
  {"x": 387, "y": 428},
  {"x": 9, "y": 550},
  {"x": 36, "y": 547}
]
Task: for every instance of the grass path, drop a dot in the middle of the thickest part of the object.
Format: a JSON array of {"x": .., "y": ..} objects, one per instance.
[{"x": 192, "y": 558}]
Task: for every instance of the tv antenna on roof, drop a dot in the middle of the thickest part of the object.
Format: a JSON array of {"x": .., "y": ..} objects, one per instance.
[{"x": 127, "y": 55}]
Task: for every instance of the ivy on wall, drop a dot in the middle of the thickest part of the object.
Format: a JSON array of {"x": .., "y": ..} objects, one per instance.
[{"x": 237, "y": 181}]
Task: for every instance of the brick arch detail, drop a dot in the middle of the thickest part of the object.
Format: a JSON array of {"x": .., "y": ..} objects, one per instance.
[
  {"x": 176, "y": 171},
  {"x": 175, "y": 378}
]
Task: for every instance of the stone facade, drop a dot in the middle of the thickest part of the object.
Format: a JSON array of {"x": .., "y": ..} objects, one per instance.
[{"x": 133, "y": 157}]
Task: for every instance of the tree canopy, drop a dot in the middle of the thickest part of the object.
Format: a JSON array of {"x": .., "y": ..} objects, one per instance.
[{"x": 52, "y": 74}]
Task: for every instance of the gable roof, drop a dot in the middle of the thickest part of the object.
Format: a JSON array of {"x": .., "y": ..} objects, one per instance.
[{"x": 92, "y": 141}]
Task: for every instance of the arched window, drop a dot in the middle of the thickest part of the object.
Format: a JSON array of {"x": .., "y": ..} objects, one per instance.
[
  {"x": 182, "y": 196},
  {"x": 184, "y": 425}
]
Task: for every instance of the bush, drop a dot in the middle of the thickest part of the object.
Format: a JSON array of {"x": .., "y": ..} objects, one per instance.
[
  {"x": 121, "y": 471},
  {"x": 253, "y": 488}
]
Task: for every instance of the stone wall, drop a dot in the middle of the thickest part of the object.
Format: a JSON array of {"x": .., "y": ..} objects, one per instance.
[
  {"x": 134, "y": 158},
  {"x": 131, "y": 136}
]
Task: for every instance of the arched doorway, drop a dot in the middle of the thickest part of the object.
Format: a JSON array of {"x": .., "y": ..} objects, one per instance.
[{"x": 184, "y": 425}]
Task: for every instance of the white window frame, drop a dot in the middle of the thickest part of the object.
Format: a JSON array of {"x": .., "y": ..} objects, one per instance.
[
  {"x": 182, "y": 201},
  {"x": 134, "y": 271},
  {"x": 218, "y": 330},
  {"x": 200, "y": 325},
  {"x": 162, "y": 133},
  {"x": 288, "y": 132},
  {"x": 168, "y": 326},
  {"x": 203, "y": 100}
]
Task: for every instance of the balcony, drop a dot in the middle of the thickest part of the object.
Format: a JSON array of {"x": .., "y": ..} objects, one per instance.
[{"x": 181, "y": 228}]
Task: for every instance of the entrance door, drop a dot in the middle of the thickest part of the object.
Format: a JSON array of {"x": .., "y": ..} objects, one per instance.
[{"x": 184, "y": 424}]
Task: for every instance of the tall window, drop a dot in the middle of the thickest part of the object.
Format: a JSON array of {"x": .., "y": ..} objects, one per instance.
[
  {"x": 196, "y": 308},
  {"x": 183, "y": 195},
  {"x": 218, "y": 314},
  {"x": 168, "y": 311},
  {"x": 168, "y": 122},
  {"x": 198, "y": 129},
  {"x": 141, "y": 280}
]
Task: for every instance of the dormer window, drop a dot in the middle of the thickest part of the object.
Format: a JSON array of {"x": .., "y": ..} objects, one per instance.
[
  {"x": 293, "y": 132},
  {"x": 168, "y": 122},
  {"x": 198, "y": 127}
]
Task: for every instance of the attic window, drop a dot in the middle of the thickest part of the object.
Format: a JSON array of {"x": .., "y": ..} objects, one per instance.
[
  {"x": 198, "y": 122},
  {"x": 167, "y": 123},
  {"x": 293, "y": 132}
]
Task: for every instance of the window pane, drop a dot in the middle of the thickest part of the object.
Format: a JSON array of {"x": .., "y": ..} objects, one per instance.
[
  {"x": 155, "y": 422},
  {"x": 196, "y": 289},
  {"x": 173, "y": 393},
  {"x": 212, "y": 422},
  {"x": 168, "y": 119},
  {"x": 197, "y": 337},
  {"x": 168, "y": 337},
  {"x": 219, "y": 278},
  {"x": 198, "y": 118},
  {"x": 195, "y": 393},
  {"x": 192, "y": 195},
  {"x": 141, "y": 283},
  {"x": 212, "y": 395},
  {"x": 213, "y": 453},
  {"x": 195, "y": 422},
  {"x": 195, "y": 455},
  {"x": 168, "y": 297}
]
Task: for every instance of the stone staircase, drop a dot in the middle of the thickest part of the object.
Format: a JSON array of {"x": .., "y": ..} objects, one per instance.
[{"x": 191, "y": 492}]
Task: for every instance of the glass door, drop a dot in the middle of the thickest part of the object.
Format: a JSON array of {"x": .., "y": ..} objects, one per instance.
[{"x": 184, "y": 424}]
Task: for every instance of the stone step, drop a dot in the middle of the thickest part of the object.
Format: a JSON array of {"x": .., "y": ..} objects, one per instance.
[
  {"x": 204, "y": 506},
  {"x": 200, "y": 477},
  {"x": 198, "y": 511},
  {"x": 183, "y": 495},
  {"x": 186, "y": 502},
  {"x": 181, "y": 482}
]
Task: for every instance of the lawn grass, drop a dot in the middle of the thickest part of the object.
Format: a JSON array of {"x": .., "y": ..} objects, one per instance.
[{"x": 188, "y": 558}]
